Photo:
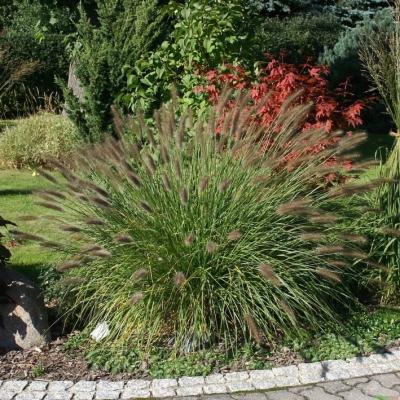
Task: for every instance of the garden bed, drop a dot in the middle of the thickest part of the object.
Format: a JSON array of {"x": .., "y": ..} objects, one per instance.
[{"x": 75, "y": 357}]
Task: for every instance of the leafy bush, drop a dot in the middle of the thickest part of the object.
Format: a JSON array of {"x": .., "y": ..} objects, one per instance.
[
  {"x": 123, "y": 31},
  {"x": 36, "y": 140},
  {"x": 7, "y": 9},
  {"x": 190, "y": 243},
  {"x": 207, "y": 33},
  {"x": 278, "y": 81}
]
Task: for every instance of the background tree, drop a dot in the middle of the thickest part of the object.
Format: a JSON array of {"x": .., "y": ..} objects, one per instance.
[{"x": 121, "y": 30}]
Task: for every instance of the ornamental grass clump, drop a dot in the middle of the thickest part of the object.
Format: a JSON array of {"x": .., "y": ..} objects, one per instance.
[
  {"x": 380, "y": 54},
  {"x": 195, "y": 238}
]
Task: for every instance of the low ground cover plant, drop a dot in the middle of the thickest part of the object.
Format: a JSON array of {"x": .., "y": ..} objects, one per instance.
[
  {"x": 189, "y": 243},
  {"x": 36, "y": 140},
  {"x": 365, "y": 331}
]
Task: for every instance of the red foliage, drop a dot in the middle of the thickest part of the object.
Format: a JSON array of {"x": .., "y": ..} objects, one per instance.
[{"x": 332, "y": 108}]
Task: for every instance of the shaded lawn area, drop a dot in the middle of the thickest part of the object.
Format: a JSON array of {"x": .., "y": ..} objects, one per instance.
[{"x": 17, "y": 199}]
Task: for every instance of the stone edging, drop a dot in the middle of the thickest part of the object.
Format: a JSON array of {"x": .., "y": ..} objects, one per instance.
[{"x": 282, "y": 377}]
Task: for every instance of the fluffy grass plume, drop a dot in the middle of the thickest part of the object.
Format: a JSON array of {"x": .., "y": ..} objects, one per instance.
[{"x": 196, "y": 238}]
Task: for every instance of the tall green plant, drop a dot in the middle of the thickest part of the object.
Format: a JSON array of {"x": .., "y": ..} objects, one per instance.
[
  {"x": 219, "y": 238},
  {"x": 380, "y": 53},
  {"x": 207, "y": 34},
  {"x": 123, "y": 30}
]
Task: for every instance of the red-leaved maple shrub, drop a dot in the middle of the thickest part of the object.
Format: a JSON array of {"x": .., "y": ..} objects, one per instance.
[{"x": 333, "y": 109}]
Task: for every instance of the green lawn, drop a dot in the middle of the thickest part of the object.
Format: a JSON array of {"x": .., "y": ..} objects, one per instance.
[{"x": 17, "y": 189}]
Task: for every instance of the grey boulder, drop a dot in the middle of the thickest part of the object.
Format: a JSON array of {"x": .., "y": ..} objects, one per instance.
[{"x": 23, "y": 319}]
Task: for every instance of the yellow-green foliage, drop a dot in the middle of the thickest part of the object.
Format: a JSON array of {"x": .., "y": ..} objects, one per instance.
[{"x": 33, "y": 141}]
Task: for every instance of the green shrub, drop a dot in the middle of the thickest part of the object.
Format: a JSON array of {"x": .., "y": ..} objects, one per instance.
[
  {"x": 207, "y": 34},
  {"x": 123, "y": 31},
  {"x": 7, "y": 10},
  {"x": 190, "y": 243},
  {"x": 36, "y": 140}
]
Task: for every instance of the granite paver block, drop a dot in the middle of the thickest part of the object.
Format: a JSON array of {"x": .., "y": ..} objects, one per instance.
[
  {"x": 131, "y": 393},
  {"x": 264, "y": 384},
  {"x": 39, "y": 386},
  {"x": 261, "y": 375},
  {"x": 107, "y": 395},
  {"x": 215, "y": 378},
  {"x": 137, "y": 384},
  {"x": 83, "y": 386},
  {"x": 373, "y": 388},
  {"x": 334, "y": 387},
  {"x": 14, "y": 386},
  {"x": 283, "y": 395},
  {"x": 107, "y": 386},
  {"x": 163, "y": 392},
  {"x": 237, "y": 376},
  {"x": 30, "y": 396},
  {"x": 194, "y": 390},
  {"x": 217, "y": 397},
  {"x": 387, "y": 380},
  {"x": 191, "y": 381},
  {"x": 249, "y": 396},
  {"x": 164, "y": 383},
  {"x": 311, "y": 373},
  {"x": 83, "y": 395},
  {"x": 239, "y": 386},
  {"x": 286, "y": 371},
  {"x": 355, "y": 381},
  {"x": 59, "y": 386},
  {"x": 317, "y": 393},
  {"x": 61, "y": 395},
  {"x": 215, "y": 388},
  {"x": 7, "y": 394},
  {"x": 381, "y": 368},
  {"x": 286, "y": 380},
  {"x": 356, "y": 394},
  {"x": 336, "y": 369}
]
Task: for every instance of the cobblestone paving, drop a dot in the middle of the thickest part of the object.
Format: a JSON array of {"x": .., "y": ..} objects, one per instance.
[
  {"x": 363, "y": 378},
  {"x": 382, "y": 387}
]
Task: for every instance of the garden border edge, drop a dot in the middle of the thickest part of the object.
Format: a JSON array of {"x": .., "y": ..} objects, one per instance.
[{"x": 230, "y": 382}]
